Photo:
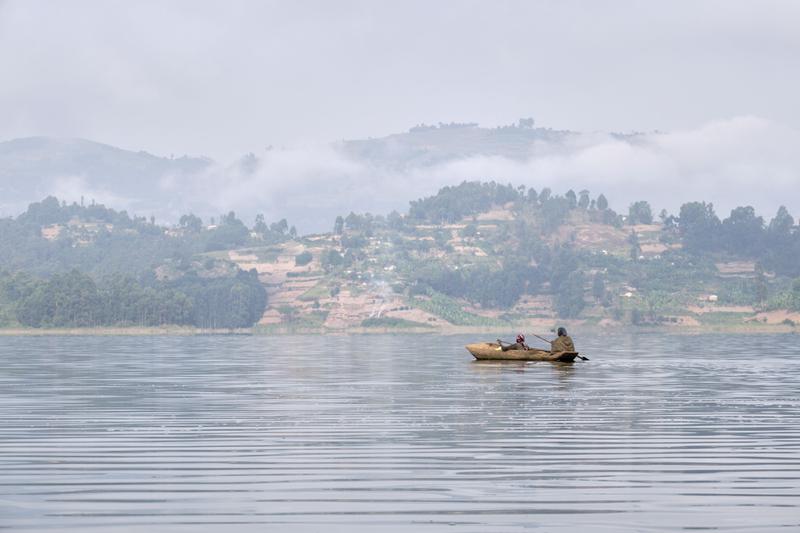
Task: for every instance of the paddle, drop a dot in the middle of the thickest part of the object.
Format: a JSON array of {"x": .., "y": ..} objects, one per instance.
[
  {"x": 548, "y": 342},
  {"x": 501, "y": 341},
  {"x": 542, "y": 338}
]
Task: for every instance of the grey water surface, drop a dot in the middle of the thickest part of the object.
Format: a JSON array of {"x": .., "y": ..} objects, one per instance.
[{"x": 398, "y": 433}]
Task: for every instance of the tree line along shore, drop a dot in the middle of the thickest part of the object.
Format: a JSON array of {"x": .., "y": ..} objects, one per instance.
[{"x": 479, "y": 256}]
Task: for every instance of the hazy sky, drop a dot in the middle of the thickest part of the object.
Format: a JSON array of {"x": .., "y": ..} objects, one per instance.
[{"x": 225, "y": 78}]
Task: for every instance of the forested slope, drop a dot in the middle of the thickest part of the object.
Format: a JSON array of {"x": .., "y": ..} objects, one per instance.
[{"x": 476, "y": 254}]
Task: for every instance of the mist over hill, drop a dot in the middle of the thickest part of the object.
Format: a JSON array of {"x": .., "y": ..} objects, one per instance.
[
  {"x": 725, "y": 161},
  {"x": 429, "y": 145},
  {"x": 280, "y": 181},
  {"x": 477, "y": 254},
  {"x": 35, "y": 167}
]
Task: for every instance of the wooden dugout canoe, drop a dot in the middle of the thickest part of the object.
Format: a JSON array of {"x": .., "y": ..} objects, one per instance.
[{"x": 489, "y": 351}]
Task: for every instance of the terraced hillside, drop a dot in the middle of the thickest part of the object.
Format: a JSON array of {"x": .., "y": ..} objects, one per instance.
[
  {"x": 474, "y": 256},
  {"x": 377, "y": 274}
]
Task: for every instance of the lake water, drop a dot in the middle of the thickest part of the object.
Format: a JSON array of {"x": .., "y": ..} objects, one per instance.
[{"x": 398, "y": 433}]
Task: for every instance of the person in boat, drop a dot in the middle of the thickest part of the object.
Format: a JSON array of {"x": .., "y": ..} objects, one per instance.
[
  {"x": 563, "y": 342},
  {"x": 519, "y": 345}
]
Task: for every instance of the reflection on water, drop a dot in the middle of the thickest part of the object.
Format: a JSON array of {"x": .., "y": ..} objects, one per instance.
[{"x": 397, "y": 433}]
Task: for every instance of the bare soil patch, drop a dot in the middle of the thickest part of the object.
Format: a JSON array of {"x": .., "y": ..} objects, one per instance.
[
  {"x": 698, "y": 310},
  {"x": 351, "y": 309},
  {"x": 498, "y": 213},
  {"x": 776, "y": 317}
]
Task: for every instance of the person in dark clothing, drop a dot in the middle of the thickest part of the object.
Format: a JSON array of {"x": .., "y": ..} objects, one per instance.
[
  {"x": 519, "y": 345},
  {"x": 563, "y": 342}
]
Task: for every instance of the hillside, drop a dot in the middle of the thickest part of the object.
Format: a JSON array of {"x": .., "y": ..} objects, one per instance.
[
  {"x": 36, "y": 167},
  {"x": 479, "y": 255},
  {"x": 399, "y": 279},
  {"x": 33, "y": 167},
  {"x": 430, "y": 145}
]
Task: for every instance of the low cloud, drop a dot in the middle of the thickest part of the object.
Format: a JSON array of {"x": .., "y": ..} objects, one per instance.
[
  {"x": 77, "y": 188},
  {"x": 741, "y": 161}
]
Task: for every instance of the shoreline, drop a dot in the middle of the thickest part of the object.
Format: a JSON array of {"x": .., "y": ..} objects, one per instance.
[
  {"x": 121, "y": 331},
  {"x": 589, "y": 329}
]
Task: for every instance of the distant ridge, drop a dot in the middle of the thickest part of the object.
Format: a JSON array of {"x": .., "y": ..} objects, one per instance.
[
  {"x": 322, "y": 181},
  {"x": 425, "y": 145},
  {"x": 32, "y": 167}
]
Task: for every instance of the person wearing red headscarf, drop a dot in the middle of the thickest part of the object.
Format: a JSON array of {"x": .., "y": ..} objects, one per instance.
[{"x": 519, "y": 345}]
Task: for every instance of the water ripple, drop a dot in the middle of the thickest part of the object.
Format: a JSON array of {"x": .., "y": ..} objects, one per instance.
[{"x": 397, "y": 433}]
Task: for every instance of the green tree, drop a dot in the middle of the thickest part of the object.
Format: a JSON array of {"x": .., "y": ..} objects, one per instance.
[
  {"x": 699, "y": 227},
  {"x": 640, "y": 213},
  {"x": 795, "y": 295},
  {"x": 783, "y": 244},
  {"x": 441, "y": 238},
  {"x": 602, "y": 203},
  {"x": 743, "y": 232},
  {"x": 260, "y": 225},
  {"x": 451, "y": 204},
  {"x": 545, "y": 195},
  {"x": 395, "y": 221},
  {"x": 68, "y": 300},
  {"x": 280, "y": 227},
  {"x": 225, "y": 302},
  {"x": 525, "y": 123},
  {"x": 353, "y": 222},
  {"x": 572, "y": 199},
  {"x": 657, "y": 302},
  {"x": 469, "y": 231},
  {"x": 761, "y": 287},
  {"x": 303, "y": 258},
  {"x": 288, "y": 312},
  {"x": 191, "y": 222},
  {"x": 636, "y": 248},
  {"x": 559, "y": 264},
  {"x": 229, "y": 233},
  {"x": 569, "y": 301},
  {"x": 583, "y": 199},
  {"x": 780, "y": 227},
  {"x": 46, "y": 212},
  {"x": 554, "y": 212},
  {"x": 330, "y": 259},
  {"x": 598, "y": 287}
]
